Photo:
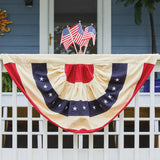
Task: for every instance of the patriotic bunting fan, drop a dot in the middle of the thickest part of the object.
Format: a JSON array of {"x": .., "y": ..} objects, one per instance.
[{"x": 79, "y": 93}]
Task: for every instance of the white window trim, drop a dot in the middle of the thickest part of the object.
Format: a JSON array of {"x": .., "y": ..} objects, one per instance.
[{"x": 43, "y": 27}]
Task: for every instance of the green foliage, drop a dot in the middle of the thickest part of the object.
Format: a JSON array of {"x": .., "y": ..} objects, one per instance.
[
  {"x": 138, "y": 4},
  {"x": 7, "y": 83},
  {"x": 138, "y": 12},
  {"x": 126, "y": 2}
]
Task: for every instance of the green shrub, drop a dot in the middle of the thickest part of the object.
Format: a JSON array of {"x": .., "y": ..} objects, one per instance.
[{"x": 7, "y": 83}]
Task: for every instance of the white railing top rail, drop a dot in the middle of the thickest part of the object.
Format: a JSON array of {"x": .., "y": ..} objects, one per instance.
[{"x": 27, "y": 53}]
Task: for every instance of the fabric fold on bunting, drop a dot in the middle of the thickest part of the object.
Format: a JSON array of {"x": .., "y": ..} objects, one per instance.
[{"x": 79, "y": 93}]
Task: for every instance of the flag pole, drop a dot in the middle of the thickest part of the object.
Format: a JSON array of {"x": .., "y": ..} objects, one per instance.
[
  {"x": 80, "y": 50},
  {"x": 72, "y": 40},
  {"x": 86, "y": 46}
]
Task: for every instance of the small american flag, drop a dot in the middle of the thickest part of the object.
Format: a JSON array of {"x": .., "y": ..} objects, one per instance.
[
  {"x": 79, "y": 37},
  {"x": 90, "y": 32},
  {"x": 74, "y": 30},
  {"x": 66, "y": 38}
]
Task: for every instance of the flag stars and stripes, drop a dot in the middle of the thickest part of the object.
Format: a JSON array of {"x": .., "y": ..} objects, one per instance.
[
  {"x": 74, "y": 30},
  {"x": 109, "y": 96},
  {"x": 117, "y": 79},
  {"x": 90, "y": 32},
  {"x": 84, "y": 107},
  {"x": 94, "y": 107},
  {"x": 45, "y": 86},
  {"x": 41, "y": 79},
  {"x": 60, "y": 105},
  {"x": 75, "y": 108},
  {"x": 66, "y": 38},
  {"x": 50, "y": 94},
  {"x": 105, "y": 101},
  {"x": 113, "y": 88}
]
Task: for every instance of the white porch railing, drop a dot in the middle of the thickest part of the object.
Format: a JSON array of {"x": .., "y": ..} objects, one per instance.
[{"x": 133, "y": 135}]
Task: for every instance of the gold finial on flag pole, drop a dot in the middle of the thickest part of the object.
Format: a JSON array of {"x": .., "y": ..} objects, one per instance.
[{"x": 72, "y": 40}]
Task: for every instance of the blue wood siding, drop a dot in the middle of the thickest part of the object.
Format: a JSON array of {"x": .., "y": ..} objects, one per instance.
[
  {"x": 128, "y": 37},
  {"x": 24, "y": 35}
]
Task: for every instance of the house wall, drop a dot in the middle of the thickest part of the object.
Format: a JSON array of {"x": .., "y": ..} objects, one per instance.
[
  {"x": 24, "y": 35},
  {"x": 126, "y": 36}
]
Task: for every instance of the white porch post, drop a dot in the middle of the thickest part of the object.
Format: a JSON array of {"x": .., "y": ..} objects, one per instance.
[
  {"x": 99, "y": 26},
  {"x": 43, "y": 25},
  {"x": 107, "y": 6},
  {"x": 44, "y": 49},
  {"x": 104, "y": 26}
]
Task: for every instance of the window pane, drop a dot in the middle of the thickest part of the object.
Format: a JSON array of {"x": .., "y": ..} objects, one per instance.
[
  {"x": 35, "y": 113},
  {"x": 113, "y": 141},
  {"x": 34, "y": 141},
  {"x": 8, "y": 126},
  {"x": 67, "y": 141},
  {"x": 6, "y": 141},
  {"x": 52, "y": 141},
  {"x": 129, "y": 126},
  {"x": 69, "y": 14},
  {"x": 35, "y": 126},
  {"x": 129, "y": 141},
  {"x": 112, "y": 126},
  {"x": 98, "y": 141},
  {"x": 52, "y": 127},
  {"x": 129, "y": 112},
  {"x": 144, "y": 126},
  {"x": 144, "y": 141},
  {"x": 22, "y": 112},
  {"x": 85, "y": 141},
  {"x": 21, "y": 141},
  {"x": 22, "y": 126},
  {"x": 144, "y": 112}
]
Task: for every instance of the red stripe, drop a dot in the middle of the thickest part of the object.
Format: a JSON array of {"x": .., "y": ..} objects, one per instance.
[
  {"x": 74, "y": 30},
  {"x": 66, "y": 39},
  {"x": 79, "y": 72},
  {"x": 12, "y": 70}
]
